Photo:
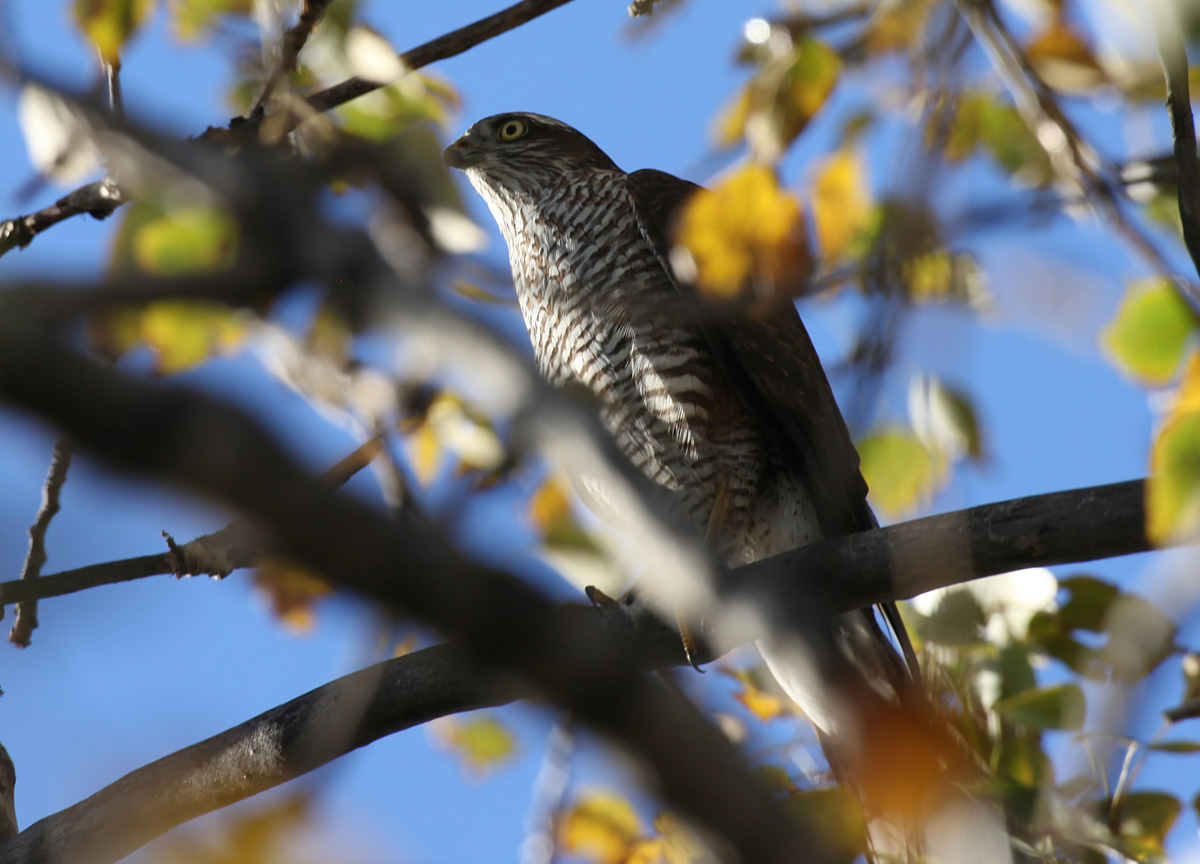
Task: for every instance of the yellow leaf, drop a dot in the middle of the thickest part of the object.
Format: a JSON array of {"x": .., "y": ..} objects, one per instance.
[
  {"x": 1065, "y": 61},
  {"x": 602, "y": 826},
  {"x": 840, "y": 202},
  {"x": 679, "y": 845},
  {"x": 731, "y": 122},
  {"x": 480, "y": 741},
  {"x": 1173, "y": 489},
  {"x": 193, "y": 18},
  {"x": 187, "y": 240},
  {"x": 761, "y": 704},
  {"x": 745, "y": 228},
  {"x": 1152, "y": 327},
  {"x": 808, "y": 84},
  {"x": 184, "y": 333},
  {"x": 549, "y": 506},
  {"x": 110, "y": 23},
  {"x": 425, "y": 453},
  {"x": 898, "y": 469},
  {"x": 292, "y": 592}
]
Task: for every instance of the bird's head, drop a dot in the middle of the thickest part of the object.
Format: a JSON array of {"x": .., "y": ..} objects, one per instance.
[{"x": 520, "y": 152}]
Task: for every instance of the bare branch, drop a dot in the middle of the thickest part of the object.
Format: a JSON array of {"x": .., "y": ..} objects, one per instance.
[
  {"x": 503, "y": 623},
  {"x": 27, "y": 621},
  {"x": 263, "y": 752},
  {"x": 97, "y": 199},
  {"x": 234, "y": 546},
  {"x": 1173, "y": 54}
]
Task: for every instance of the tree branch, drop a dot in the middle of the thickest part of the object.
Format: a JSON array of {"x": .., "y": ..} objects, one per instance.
[
  {"x": 1173, "y": 54},
  {"x": 188, "y": 439},
  {"x": 101, "y": 198},
  {"x": 56, "y": 476}
]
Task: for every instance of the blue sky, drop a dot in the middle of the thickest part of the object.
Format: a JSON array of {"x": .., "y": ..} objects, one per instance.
[{"x": 122, "y": 675}]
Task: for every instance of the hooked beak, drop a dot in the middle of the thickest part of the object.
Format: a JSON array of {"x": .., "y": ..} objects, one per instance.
[{"x": 461, "y": 154}]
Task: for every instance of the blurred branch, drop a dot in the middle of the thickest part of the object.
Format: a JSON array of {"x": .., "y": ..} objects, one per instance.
[
  {"x": 8, "y": 809},
  {"x": 26, "y": 621},
  {"x": 101, "y": 198},
  {"x": 502, "y": 623},
  {"x": 1173, "y": 54},
  {"x": 291, "y": 45},
  {"x": 217, "y": 554},
  {"x": 116, "y": 99},
  {"x": 1073, "y": 158}
]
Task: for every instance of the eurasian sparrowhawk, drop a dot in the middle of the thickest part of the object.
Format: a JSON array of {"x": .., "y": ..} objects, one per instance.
[{"x": 731, "y": 411}]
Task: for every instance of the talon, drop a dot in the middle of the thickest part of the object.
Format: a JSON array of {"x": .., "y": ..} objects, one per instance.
[
  {"x": 689, "y": 643},
  {"x": 598, "y": 597}
]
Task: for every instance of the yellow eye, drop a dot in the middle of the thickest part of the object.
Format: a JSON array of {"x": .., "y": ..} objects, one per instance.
[{"x": 512, "y": 129}]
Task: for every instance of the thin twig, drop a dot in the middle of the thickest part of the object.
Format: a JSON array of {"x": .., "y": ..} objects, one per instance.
[
  {"x": 229, "y": 544},
  {"x": 1173, "y": 54},
  {"x": 101, "y": 198},
  {"x": 116, "y": 101},
  {"x": 549, "y": 793},
  {"x": 26, "y": 619},
  {"x": 290, "y": 47}
]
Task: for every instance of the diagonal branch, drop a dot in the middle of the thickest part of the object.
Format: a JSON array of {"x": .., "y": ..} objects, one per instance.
[
  {"x": 101, "y": 198},
  {"x": 303, "y": 734}
]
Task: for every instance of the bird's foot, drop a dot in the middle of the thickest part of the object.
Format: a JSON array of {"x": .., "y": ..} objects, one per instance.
[{"x": 689, "y": 643}]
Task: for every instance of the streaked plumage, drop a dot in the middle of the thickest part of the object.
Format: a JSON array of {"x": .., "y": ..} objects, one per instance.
[{"x": 737, "y": 405}]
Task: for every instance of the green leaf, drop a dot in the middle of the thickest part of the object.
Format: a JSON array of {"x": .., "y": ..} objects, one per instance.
[
  {"x": 836, "y": 813},
  {"x": 1175, "y": 747},
  {"x": 957, "y": 621},
  {"x": 1152, "y": 327},
  {"x": 187, "y": 240},
  {"x": 1061, "y": 707},
  {"x": 1088, "y": 606},
  {"x": 194, "y": 18},
  {"x": 110, "y": 23},
  {"x": 898, "y": 469},
  {"x": 982, "y": 122},
  {"x": 1149, "y": 814}
]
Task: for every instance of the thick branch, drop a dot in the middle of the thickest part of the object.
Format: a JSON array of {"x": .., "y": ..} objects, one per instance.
[
  {"x": 307, "y": 732},
  {"x": 189, "y": 439},
  {"x": 274, "y": 747}
]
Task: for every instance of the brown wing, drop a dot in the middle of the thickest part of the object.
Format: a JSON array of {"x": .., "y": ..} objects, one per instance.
[{"x": 770, "y": 358}]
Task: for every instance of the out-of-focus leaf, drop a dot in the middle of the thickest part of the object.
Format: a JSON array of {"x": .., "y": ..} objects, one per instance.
[
  {"x": 1140, "y": 637},
  {"x": 1064, "y": 61},
  {"x": 1147, "y": 337},
  {"x": 551, "y": 516},
  {"x": 480, "y": 742},
  {"x": 840, "y": 202},
  {"x": 745, "y": 233},
  {"x": 1088, "y": 604},
  {"x": 425, "y": 454},
  {"x": 57, "y": 136},
  {"x": 1145, "y": 819},
  {"x": 1016, "y": 672},
  {"x": 182, "y": 333},
  {"x": 188, "y": 240},
  {"x": 776, "y": 778},
  {"x": 601, "y": 827},
  {"x": 372, "y": 56},
  {"x": 1173, "y": 488},
  {"x": 956, "y": 621},
  {"x": 836, "y": 813},
  {"x": 292, "y": 592},
  {"x": 897, "y": 26},
  {"x": 983, "y": 122},
  {"x": 944, "y": 418},
  {"x": 761, "y": 704},
  {"x": 942, "y": 275},
  {"x": 1175, "y": 747},
  {"x": 678, "y": 845},
  {"x": 782, "y": 98},
  {"x": 247, "y": 835},
  {"x": 110, "y": 23},
  {"x": 898, "y": 469},
  {"x": 1060, "y": 707},
  {"x": 1190, "y": 668},
  {"x": 193, "y": 19},
  {"x": 473, "y": 292}
]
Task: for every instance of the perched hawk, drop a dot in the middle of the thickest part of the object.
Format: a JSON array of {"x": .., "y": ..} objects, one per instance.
[{"x": 730, "y": 412}]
